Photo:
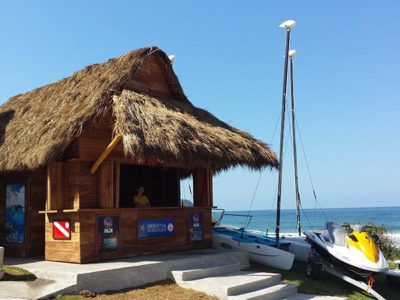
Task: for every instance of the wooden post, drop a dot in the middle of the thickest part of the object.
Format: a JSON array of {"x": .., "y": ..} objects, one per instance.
[
  {"x": 202, "y": 185},
  {"x": 55, "y": 186},
  {"x": 105, "y": 185}
]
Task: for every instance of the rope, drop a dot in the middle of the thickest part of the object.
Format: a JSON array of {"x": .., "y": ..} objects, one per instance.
[
  {"x": 308, "y": 170},
  {"x": 261, "y": 172},
  {"x": 306, "y": 217}
]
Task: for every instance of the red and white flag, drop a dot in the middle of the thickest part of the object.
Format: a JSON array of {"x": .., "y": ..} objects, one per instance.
[{"x": 61, "y": 230}]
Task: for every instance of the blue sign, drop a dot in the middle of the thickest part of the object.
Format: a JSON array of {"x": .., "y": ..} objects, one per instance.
[
  {"x": 155, "y": 228},
  {"x": 14, "y": 227},
  {"x": 195, "y": 227}
]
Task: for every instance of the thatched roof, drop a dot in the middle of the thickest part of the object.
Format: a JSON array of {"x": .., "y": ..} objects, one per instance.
[{"x": 36, "y": 127}]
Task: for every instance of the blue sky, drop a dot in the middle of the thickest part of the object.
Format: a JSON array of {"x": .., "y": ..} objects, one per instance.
[{"x": 230, "y": 61}]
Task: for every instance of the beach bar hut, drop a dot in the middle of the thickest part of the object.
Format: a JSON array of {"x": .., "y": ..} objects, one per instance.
[{"x": 74, "y": 152}]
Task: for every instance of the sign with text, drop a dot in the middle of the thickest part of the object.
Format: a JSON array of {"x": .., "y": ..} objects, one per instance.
[
  {"x": 107, "y": 230},
  {"x": 195, "y": 226},
  {"x": 155, "y": 228}
]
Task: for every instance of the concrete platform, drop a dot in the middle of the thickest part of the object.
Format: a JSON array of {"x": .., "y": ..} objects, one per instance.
[
  {"x": 57, "y": 278},
  {"x": 214, "y": 271}
]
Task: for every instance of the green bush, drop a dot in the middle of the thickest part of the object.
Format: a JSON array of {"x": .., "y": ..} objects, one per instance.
[{"x": 381, "y": 235}]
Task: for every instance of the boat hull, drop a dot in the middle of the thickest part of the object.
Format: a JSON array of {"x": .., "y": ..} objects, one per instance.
[
  {"x": 299, "y": 247},
  {"x": 258, "y": 253}
]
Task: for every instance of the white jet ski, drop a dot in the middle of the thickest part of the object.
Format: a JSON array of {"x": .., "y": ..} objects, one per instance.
[{"x": 354, "y": 251}]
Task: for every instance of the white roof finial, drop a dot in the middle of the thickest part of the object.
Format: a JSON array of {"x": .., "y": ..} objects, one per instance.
[{"x": 172, "y": 58}]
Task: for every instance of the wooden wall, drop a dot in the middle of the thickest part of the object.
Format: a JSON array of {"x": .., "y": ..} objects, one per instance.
[
  {"x": 151, "y": 80},
  {"x": 63, "y": 250},
  {"x": 83, "y": 246},
  {"x": 35, "y": 199},
  {"x": 37, "y": 195}
]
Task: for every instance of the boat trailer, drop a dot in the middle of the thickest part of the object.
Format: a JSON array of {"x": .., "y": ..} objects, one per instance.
[{"x": 317, "y": 264}]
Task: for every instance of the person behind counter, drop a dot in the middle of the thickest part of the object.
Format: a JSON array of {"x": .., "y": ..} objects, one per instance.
[{"x": 141, "y": 199}]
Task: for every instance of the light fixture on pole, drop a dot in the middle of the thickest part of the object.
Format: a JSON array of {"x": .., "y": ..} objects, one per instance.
[{"x": 288, "y": 26}]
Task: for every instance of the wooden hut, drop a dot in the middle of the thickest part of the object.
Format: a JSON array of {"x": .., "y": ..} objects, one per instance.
[{"x": 72, "y": 154}]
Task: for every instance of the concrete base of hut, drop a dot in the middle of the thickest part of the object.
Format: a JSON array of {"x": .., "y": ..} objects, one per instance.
[{"x": 60, "y": 278}]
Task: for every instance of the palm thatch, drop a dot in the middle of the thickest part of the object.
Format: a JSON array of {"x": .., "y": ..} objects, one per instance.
[
  {"x": 175, "y": 131},
  {"x": 36, "y": 127}
]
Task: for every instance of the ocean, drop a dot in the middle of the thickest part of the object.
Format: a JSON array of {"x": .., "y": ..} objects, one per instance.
[{"x": 264, "y": 220}]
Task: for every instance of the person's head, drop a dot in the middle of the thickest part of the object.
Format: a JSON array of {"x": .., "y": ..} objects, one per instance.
[{"x": 140, "y": 190}]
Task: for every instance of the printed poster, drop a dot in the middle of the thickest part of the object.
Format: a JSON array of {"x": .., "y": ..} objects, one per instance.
[
  {"x": 15, "y": 214},
  {"x": 155, "y": 228},
  {"x": 108, "y": 229},
  {"x": 195, "y": 221}
]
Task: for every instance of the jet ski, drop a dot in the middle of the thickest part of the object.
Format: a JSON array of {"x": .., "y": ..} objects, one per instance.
[{"x": 353, "y": 250}]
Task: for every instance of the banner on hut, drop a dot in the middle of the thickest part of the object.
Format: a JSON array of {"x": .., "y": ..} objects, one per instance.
[
  {"x": 195, "y": 221},
  {"x": 15, "y": 214},
  {"x": 155, "y": 228},
  {"x": 108, "y": 229}
]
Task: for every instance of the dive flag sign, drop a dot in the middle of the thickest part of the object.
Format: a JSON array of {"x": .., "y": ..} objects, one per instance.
[{"x": 61, "y": 230}]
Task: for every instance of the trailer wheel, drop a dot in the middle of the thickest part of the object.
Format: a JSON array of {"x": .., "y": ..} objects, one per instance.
[{"x": 313, "y": 270}]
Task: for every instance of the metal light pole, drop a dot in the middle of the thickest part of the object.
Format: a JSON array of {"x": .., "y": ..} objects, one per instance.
[
  {"x": 292, "y": 54},
  {"x": 288, "y": 26}
]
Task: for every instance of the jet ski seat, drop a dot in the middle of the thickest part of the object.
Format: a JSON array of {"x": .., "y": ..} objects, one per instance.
[{"x": 336, "y": 233}]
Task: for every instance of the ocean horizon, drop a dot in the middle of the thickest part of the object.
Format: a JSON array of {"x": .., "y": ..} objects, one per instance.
[{"x": 264, "y": 220}]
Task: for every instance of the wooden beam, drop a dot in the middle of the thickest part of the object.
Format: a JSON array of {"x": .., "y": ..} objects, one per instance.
[
  {"x": 105, "y": 185},
  {"x": 111, "y": 146},
  {"x": 117, "y": 173}
]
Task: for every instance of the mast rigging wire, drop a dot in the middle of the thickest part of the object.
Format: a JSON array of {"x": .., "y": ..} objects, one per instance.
[
  {"x": 261, "y": 172},
  {"x": 308, "y": 170}
]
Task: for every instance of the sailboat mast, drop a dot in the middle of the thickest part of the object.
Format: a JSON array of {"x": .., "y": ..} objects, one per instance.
[
  {"x": 292, "y": 53},
  {"x": 288, "y": 25}
]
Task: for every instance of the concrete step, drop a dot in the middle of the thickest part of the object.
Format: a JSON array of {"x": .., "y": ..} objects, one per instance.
[
  {"x": 235, "y": 283},
  {"x": 279, "y": 291},
  {"x": 313, "y": 297},
  {"x": 205, "y": 272}
]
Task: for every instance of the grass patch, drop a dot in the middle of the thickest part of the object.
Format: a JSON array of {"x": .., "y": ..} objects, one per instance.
[
  {"x": 392, "y": 265},
  {"x": 162, "y": 290},
  {"x": 17, "y": 274},
  {"x": 328, "y": 284}
]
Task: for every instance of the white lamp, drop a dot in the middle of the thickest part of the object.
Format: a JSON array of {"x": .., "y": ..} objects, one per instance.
[
  {"x": 292, "y": 53},
  {"x": 289, "y": 24}
]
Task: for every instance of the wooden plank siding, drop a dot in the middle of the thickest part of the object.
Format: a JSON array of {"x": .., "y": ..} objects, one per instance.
[
  {"x": 37, "y": 196},
  {"x": 56, "y": 187},
  {"x": 83, "y": 246},
  {"x": 63, "y": 250},
  {"x": 151, "y": 80}
]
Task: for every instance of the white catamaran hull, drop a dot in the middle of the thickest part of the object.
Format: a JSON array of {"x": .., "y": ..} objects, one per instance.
[
  {"x": 299, "y": 247},
  {"x": 258, "y": 253}
]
